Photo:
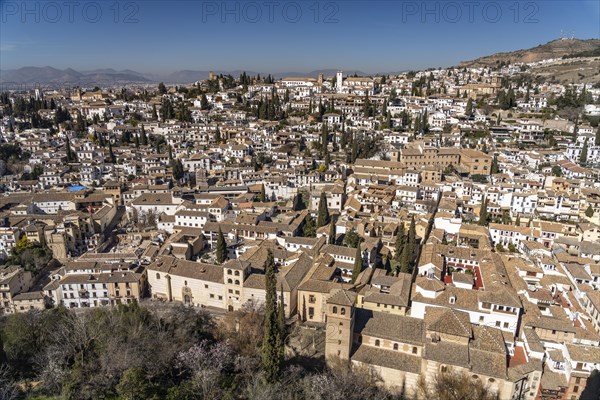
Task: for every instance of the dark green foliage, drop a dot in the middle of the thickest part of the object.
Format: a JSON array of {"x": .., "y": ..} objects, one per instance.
[
  {"x": 310, "y": 227},
  {"x": 271, "y": 351},
  {"x": 584, "y": 152},
  {"x": 323, "y": 211},
  {"x": 483, "y": 213},
  {"x": 331, "y": 239},
  {"x": 358, "y": 264},
  {"x": 589, "y": 212},
  {"x": 178, "y": 170},
  {"x": 221, "y": 248},
  {"x": 352, "y": 239}
]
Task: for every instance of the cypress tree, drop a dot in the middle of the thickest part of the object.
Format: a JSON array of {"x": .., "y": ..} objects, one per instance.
[
  {"x": 597, "y": 138},
  {"x": 323, "y": 212},
  {"x": 405, "y": 259},
  {"x": 584, "y": 151},
  {"x": 144, "y": 137},
  {"x": 483, "y": 212},
  {"x": 518, "y": 221},
  {"x": 221, "y": 248},
  {"x": 262, "y": 196},
  {"x": 281, "y": 323},
  {"x": 357, "y": 264},
  {"x": 412, "y": 239},
  {"x": 271, "y": 354},
  {"x": 331, "y": 233},
  {"x": 399, "y": 245},
  {"x": 111, "y": 154}
]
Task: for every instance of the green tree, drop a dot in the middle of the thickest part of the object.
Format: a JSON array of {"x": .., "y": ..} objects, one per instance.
[
  {"x": 352, "y": 239},
  {"x": 221, "y": 247},
  {"x": 331, "y": 239},
  {"x": 597, "y": 138},
  {"x": 589, "y": 212},
  {"x": 144, "y": 138},
  {"x": 203, "y": 102},
  {"x": 133, "y": 385},
  {"x": 494, "y": 167},
  {"x": 556, "y": 171},
  {"x": 518, "y": 220},
  {"x": 584, "y": 152},
  {"x": 271, "y": 353},
  {"x": 358, "y": 264},
  {"x": 483, "y": 212},
  {"x": 412, "y": 240},
  {"x": 469, "y": 109},
  {"x": 111, "y": 155},
  {"x": 178, "y": 171},
  {"x": 323, "y": 211},
  {"x": 262, "y": 197},
  {"x": 162, "y": 89},
  {"x": 405, "y": 259},
  {"x": 400, "y": 241},
  {"x": 310, "y": 228}
]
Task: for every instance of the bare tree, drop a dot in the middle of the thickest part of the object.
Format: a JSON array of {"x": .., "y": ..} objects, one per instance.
[{"x": 453, "y": 386}]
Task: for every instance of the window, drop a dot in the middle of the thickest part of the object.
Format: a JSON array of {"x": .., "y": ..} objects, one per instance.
[
  {"x": 184, "y": 283},
  {"x": 212, "y": 296},
  {"x": 237, "y": 282},
  {"x": 228, "y": 272},
  {"x": 414, "y": 350},
  {"x": 343, "y": 311},
  {"x": 237, "y": 273},
  {"x": 575, "y": 389},
  {"x": 377, "y": 343},
  {"x": 395, "y": 346},
  {"x": 157, "y": 275},
  {"x": 229, "y": 281},
  {"x": 334, "y": 309},
  {"x": 577, "y": 380},
  {"x": 205, "y": 286}
]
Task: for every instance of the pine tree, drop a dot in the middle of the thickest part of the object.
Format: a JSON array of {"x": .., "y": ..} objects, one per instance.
[
  {"x": 271, "y": 353},
  {"x": 483, "y": 213},
  {"x": 331, "y": 233},
  {"x": 357, "y": 264},
  {"x": 323, "y": 211},
  {"x": 221, "y": 248},
  {"x": 584, "y": 151}
]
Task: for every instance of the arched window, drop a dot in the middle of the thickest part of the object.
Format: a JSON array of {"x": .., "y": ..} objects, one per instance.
[
  {"x": 334, "y": 309},
  {"x": 377, "y": 343},
  {"x": 395, "y": 346},
  {"x": 237, "y": 282},
  {"x": 157, "y": 275},
  {"x": 184, "y": 283},
  {"x": 237, "y": 273},
  {"x": 229, "y": 281},
  {"x": 228, "y": 272},
  {"x": 343, "y": 311}
]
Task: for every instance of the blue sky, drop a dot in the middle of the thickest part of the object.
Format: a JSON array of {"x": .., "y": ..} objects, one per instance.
[{"x": 373, "y": 36}]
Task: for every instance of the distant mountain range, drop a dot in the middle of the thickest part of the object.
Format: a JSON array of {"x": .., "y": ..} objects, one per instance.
[
  {"x": 553, "y": 49},
  {"x": 109, "y": 76}
]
